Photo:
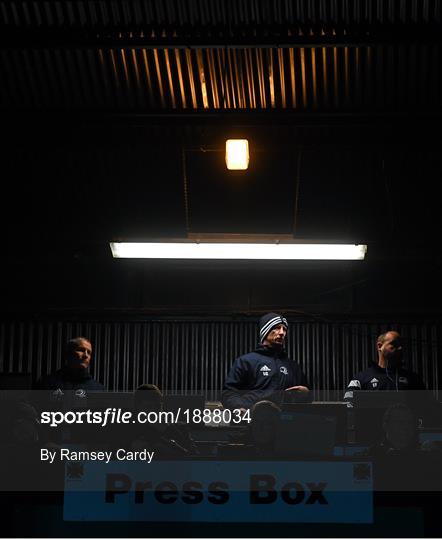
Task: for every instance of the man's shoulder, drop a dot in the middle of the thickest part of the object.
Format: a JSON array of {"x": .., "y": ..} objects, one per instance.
[
  {"x": 256, "y": 355},
  {"x": 364, "y": 375},
  {"x": 404, "y": 370},
  {"x": 250, "y": 360},
  {"x": 50, "y": 381},
  {"x": 93, "y": 384},
  {"x": 247, "y": 358},
  {"x": 60, "y": 379},
  {"x": 369, "y": 370},
  {"x": 261, "y": 354},
  {"x": 412, "y": 378}
]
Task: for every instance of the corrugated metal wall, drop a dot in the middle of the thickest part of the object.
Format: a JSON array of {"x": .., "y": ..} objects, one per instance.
[{"x": 194, "y": 356}]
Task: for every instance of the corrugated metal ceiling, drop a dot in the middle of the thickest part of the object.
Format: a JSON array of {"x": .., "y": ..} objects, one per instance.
[
  {"x": 175, "y": 15},
  {"x": 302, "y": 79},
  {"x": 211, "y": 55}
]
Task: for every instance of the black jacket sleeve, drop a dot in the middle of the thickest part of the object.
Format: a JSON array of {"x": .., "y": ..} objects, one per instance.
[
  {"x": 354, "y": 384},
  {"x": 236, "y": 392}
]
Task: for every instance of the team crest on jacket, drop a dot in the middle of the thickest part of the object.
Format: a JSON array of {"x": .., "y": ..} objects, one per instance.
[
  {"x": 403, "y": 380},
  {"x": 284, "y": 370},
  {"x": 265, "y": 371},
  {"x": 374, "y": 382}
]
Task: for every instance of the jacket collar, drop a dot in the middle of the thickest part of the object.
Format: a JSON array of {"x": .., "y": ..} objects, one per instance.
[
  {"x": 380, "y": 369},
  {"x": 75, "y": 374},
  {"x": 272, "y": 352}
]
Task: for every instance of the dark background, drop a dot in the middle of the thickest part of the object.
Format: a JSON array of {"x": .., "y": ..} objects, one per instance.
[{"x": 114, "y": 118}]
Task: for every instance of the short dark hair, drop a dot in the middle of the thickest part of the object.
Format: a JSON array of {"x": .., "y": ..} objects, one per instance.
[
  {"x": 73, "y": 343},
  {"x": 148, "y": 392},
  {"x": 265, "y": 409}
]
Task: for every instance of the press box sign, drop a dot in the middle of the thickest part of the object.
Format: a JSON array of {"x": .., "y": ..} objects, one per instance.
[{"x": 303, "y": 492}]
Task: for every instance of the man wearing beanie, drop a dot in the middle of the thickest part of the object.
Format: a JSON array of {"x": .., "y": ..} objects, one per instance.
[{"x": 266, "y": 373}]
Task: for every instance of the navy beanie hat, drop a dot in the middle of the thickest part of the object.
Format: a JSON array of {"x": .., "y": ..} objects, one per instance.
[{"x": 269, "y": 321}]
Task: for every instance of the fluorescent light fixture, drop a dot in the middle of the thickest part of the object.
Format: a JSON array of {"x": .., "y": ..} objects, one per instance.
[
  {"x": 237, "y": 154},
  {"x": 237, "y": 251}
]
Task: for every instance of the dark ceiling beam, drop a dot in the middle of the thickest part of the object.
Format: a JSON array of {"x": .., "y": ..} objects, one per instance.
[
  {"x": 284, "y": 128},
  {"x": 282, "y": 117},
  {"x": 78, "y": 38}
]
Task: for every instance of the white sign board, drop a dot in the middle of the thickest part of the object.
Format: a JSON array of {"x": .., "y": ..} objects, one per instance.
[{"x": 185, "y": 491}]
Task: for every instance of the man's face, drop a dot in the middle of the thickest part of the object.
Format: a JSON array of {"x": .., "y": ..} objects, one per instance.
[
  {"x": 391, "y": 348},
  {"x": 81, "y": 355},
  {"x": 276, "y": 336}
]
